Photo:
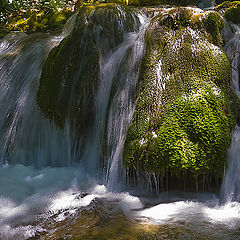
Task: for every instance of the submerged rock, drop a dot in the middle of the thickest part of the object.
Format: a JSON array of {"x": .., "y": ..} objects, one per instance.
[{"x": 186, "y": 108}]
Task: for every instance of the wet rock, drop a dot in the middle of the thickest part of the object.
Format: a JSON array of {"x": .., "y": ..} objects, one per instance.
[{"x": 186, "y": 107}]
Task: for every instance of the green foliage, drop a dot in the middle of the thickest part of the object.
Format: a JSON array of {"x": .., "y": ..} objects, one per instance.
[
  {"x": 38, "y": 20},
  {"x": 32, "y": 16},
  {"x": 40, "y": 4}
]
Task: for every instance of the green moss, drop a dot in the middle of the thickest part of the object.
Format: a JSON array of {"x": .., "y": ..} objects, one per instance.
[
  {"x": 186, "y": 108},
  {"x": 227, "y": 4},
  {"x": 194, "y": 135},
  {"x": 38, "y": 20},
  {"x": 233, "y": 14},
  {"x": 214, "y": 25},
  {"x": 231, "y": 10},
  {"x": 70, "y": 75},
  {"x": 66, "y": 88},
  {"x": 51, "y": 79}
]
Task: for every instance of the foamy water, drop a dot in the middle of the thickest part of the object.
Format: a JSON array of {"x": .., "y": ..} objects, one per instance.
[
  {"x": 194, "y": 211},
  {"x": 29, "y": 196}
]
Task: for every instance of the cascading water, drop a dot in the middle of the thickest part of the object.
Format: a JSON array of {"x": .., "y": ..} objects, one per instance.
[
  {"x": 122, "y": 108},
  {"x": 207, "y": 4},
  {"x": 118, "y": 76},
  {"x": 98, "y": 71},
  {"x": 230, "y": 191},
  {"x": 26, "y": 137},
  {"x": 231, "y": 185}
]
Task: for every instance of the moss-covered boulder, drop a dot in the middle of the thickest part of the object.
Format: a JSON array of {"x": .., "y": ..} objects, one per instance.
[
  {"x": 71, "y": 74},
  {"x": 186, "y": 108},
  {"x": 230, "y": 10}
]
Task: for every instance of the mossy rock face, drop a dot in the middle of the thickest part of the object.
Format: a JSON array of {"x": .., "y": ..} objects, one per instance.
[
  {"x": 186, "y": 108},
  {"x": 230, "y": 10},
  {"x": 70, "y": 75},
  {"x": 233, "y": 14}
]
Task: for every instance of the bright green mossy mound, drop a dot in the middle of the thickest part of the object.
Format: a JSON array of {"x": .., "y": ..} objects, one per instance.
[
  {"x": 193, "y": 136},
  {"x": 186, "y": 108},
  {"x": 227, "y": 4}
]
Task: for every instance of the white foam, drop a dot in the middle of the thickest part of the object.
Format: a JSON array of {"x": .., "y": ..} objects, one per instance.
[{"x": 190, "y": 211}]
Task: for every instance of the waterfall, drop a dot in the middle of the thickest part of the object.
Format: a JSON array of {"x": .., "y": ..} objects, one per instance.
[
  {"x": 68, "y": 177},
  {"x": 26, "y": 136},
  {"x": 206, "y": 4},
  {"x": 122, "y": 107},
  {"x": 46, "y": 168},
  {"x": 230, "y": 190},
  {"x": 29, "y": 138},
  {"x": 231, "y": 186},
  {"x": 114, "y": 102}
]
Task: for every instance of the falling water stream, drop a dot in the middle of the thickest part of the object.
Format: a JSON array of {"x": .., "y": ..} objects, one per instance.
[
  {"x": 231, "y": 185},
  {"x": 38, "y": 180}
]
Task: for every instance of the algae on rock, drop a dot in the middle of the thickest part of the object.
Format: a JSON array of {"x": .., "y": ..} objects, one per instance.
[{"x": 186, "y": 108}]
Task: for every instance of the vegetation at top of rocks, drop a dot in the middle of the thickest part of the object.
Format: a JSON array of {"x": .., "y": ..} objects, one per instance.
[
  {"x": 12, "y": 8},
  {"x": 33, "y": 16},
  {"x": 227, "y": 4},
  {"x": 38, "y": 20},
  {"x": 38, "y": 15}
]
